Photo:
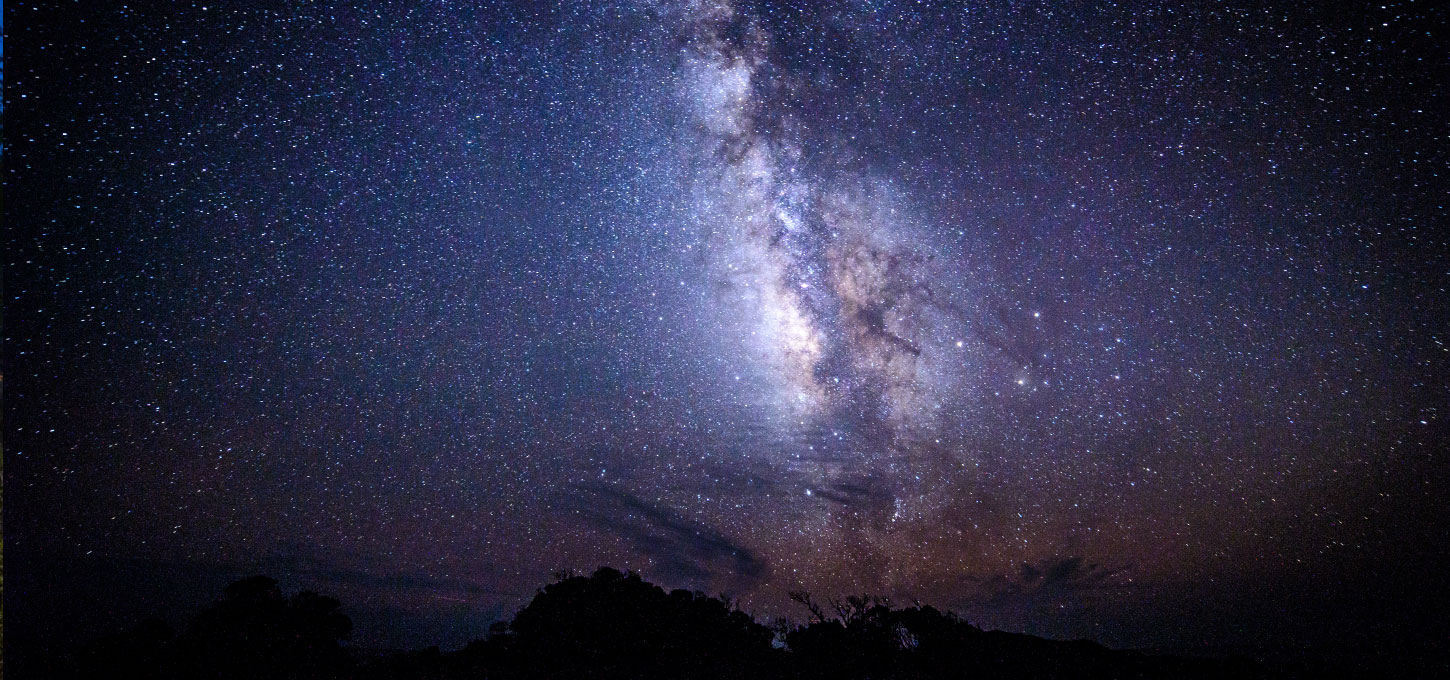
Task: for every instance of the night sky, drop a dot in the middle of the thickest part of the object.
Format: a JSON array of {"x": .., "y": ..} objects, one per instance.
[{"x": 1124, "y": 321}]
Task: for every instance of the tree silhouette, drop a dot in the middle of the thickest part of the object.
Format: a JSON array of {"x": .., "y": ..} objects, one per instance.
[
  {"x": 616, "y": 625},
  {"x": 255, "y": 631}
]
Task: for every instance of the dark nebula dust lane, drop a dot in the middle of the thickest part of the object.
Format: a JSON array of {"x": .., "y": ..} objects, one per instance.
[{"x": 1123, "y": 322}]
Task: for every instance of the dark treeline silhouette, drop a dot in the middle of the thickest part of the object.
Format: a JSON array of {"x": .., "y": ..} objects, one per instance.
[
  {"x": 615, "y": 625},
  {"x": 254, "y": 631}
]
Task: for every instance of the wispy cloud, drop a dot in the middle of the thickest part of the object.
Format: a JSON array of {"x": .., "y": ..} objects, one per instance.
[{"x": 682, "y": 549}]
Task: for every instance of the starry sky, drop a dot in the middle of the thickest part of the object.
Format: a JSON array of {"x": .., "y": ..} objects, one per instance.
[{"x": 1112, "y": 320}]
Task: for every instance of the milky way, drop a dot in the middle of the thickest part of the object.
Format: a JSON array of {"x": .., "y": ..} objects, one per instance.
[
  {"x": 833, "y": 296},
  {"x": 1124, "y": 322}
]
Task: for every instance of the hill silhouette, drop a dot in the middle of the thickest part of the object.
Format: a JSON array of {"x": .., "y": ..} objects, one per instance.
[{"x": 611, "y": 625}]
